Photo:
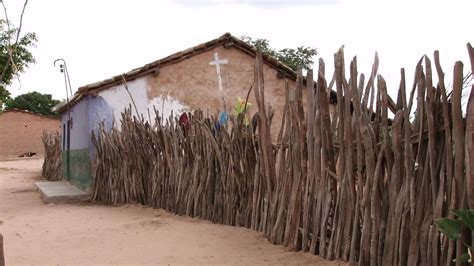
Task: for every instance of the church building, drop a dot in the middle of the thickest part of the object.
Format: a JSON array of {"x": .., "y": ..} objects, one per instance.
[{"x": 210, "y": 76}]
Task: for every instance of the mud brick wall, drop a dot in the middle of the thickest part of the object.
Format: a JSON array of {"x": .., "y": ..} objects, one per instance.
[{"x": 21, "y": 132}]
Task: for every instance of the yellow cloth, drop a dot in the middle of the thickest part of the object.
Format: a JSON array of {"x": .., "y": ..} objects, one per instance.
[{"x": 239, "y": 109}]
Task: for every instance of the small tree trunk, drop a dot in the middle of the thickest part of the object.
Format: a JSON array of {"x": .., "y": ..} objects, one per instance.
[{"x": 2, "y": 254}]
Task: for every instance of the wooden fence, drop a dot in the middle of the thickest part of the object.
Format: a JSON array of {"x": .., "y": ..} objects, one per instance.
[
  {"x": 52, "y": 165},
  {"x": 356, "y": 186}
]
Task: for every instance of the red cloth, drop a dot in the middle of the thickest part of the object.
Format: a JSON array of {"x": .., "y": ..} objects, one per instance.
[{"x": 185, "y": 122}]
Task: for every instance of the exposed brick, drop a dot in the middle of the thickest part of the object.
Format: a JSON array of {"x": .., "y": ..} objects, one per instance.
[{"x": 21, "y": 132}]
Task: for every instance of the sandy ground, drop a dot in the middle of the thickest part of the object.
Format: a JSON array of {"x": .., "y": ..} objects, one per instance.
[{"x": 36, "y": 233}]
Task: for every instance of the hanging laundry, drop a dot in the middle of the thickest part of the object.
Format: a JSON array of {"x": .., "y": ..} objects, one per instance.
[
  {"x": 223, "y": 119},
  {"x": 241, "y": 108},
  {"x": 185, "y": 122}
]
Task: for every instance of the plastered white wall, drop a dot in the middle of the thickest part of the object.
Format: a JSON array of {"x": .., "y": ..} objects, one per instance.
[{"x": 118, "y": 99}]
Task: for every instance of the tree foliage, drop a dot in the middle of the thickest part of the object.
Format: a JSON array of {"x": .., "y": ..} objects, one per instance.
[
  {"x": 453, "y": 228},
  {"x": 15, "y": 56},
  {"x": 301, "y": 56},
  {"x": 34, "y": 102},
  {"x": 4, "y": 96}
]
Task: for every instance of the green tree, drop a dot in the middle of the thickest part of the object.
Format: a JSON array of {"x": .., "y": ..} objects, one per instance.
[
  {"x": 34, "y": 102},
  {"x": 301, "y": 56},
  {"x": 15, "y": 56},
  {"x": 4, "y": 97}
]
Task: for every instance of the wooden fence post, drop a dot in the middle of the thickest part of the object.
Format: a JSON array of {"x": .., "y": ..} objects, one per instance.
[
  {"x": 343, "y": 180},
  {"x": 470, "y": 138},
  {"x": 2, "y": 253}
]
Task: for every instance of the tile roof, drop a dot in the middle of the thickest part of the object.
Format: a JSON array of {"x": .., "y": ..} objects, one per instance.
[{"x": 227, "y": 40}]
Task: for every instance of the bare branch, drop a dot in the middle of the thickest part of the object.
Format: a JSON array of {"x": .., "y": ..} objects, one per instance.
[
  {"x": 6, "y": 14},
  {"x": 21, "y": 22},
  {"x": 10, "y": 59},
  {"x": 7, "y": 64}
]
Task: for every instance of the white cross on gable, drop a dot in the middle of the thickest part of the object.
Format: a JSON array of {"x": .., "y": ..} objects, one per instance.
[{"x": 218, "y": 62}]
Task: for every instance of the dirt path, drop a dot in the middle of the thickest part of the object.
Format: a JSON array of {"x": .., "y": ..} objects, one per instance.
[{"x": 35, "y": 233}]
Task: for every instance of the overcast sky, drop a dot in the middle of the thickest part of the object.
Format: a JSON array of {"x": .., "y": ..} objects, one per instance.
[{"x": 100, "y": 39}]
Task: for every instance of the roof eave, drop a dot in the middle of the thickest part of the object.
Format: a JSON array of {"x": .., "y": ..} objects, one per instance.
[{"x": 227, "y": 40}]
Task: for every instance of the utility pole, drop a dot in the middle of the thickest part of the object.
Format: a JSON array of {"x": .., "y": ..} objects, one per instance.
[{"x": 66, "y": 133}]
